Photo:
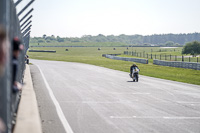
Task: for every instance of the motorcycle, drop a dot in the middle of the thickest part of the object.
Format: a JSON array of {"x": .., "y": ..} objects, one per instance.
[{"x": 135, "y": 74}]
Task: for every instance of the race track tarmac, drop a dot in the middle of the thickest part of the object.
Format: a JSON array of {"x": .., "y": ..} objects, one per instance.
[{"x": 82, "y": 98}]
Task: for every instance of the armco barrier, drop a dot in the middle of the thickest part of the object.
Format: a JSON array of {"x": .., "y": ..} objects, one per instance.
[
  {"x": 113, "y": 56},
  {"x": 188, "y": 65}
]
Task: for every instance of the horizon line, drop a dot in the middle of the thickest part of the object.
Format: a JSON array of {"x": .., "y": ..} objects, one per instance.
[{"x": 119, "y": 35}]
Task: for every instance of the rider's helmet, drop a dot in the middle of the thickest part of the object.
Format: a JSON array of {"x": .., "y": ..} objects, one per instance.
[{"x": 134, "y": 65}]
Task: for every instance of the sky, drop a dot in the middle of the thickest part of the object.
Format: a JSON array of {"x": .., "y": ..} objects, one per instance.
[{"x": 76, "y": 18}]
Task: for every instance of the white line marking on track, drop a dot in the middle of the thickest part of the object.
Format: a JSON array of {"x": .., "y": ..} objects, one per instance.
[
  {"x": 58, "y": 108},
  {"x": 155, "y": 117},
  {"x": 183, "y": 102},
  {"x": 182, "y": 118},
  {"x": 139, "y": 93}
]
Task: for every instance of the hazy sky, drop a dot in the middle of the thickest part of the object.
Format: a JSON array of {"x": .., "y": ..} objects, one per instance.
[{"x": 75, "y": 18}]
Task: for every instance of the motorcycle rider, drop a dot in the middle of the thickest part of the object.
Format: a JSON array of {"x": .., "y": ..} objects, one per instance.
[{"x": 134, "y": 66}]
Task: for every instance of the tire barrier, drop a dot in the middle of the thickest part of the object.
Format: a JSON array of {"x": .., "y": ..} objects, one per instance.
[
  {"x": 188, "y": 65},
  {"x": 50, "y": 51}
]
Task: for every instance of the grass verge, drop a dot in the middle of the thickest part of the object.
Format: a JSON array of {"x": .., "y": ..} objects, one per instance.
[{"x": 90, "y": 55}]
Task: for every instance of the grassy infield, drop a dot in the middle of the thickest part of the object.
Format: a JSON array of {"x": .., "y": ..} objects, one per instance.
[{"x": 90, "y": 55}]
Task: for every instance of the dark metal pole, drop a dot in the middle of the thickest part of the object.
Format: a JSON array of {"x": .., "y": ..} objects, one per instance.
[
  {"x": 26, "y": 40},
  {"x": 18, "y": 2},
  {"x": 26, "y": 21},
  {"x": 26, "y": 25},
  {"x": 27, "y": 34},
  {"x": 26, "y": 15},
  {"x": 25, "y": 7},
  {"x": 27, "y": 30}
]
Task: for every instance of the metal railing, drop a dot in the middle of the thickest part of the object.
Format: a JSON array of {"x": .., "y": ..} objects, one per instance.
[
  {"x": 9, "y": 19},
  {"x": 165, "y": 57}
]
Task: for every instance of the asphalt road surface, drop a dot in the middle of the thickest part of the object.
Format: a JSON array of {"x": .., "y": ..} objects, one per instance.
[{"x": 82, "y": 98}]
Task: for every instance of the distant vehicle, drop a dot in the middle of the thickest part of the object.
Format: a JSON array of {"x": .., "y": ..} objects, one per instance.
[{"x": 135, "y": 74}]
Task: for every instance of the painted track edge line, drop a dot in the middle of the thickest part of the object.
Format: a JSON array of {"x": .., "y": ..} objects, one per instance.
[{"x": 57, "y": 105}]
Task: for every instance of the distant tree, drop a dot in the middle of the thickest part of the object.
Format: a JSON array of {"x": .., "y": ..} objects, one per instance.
[
  {"x": 41, "y": 41},
  {"x": 156, "y": 39},
  {"x": 52, "y": 36},
  {"x": 169, "y": 43},
  {"x": 44, "y": 36},
  {"x": 192, "y": 48},
  {"x": 60, "y": 39},
  {"x": 177, "y": 44},
  {"x": 48, "y": 41}
]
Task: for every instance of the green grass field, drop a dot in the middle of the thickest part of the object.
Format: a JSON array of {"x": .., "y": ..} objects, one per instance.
[{"x": 90, "y": 55}]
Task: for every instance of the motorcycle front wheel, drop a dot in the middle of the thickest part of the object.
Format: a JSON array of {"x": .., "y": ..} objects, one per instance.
[{"x": 136, "y": 76}]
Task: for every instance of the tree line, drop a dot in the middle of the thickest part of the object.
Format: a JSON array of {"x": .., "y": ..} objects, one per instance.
[
  {"x": 147, "y": 40},
  {"x": 192, "y": 48}
]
